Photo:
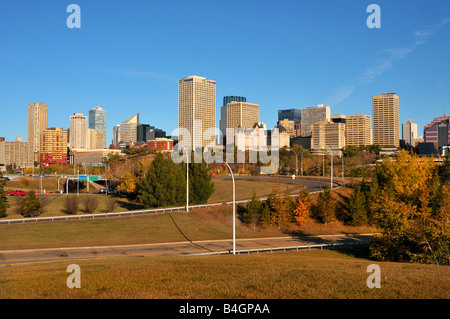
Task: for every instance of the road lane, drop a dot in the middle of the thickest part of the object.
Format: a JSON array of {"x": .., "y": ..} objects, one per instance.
[{"x": 17, "y": 257}]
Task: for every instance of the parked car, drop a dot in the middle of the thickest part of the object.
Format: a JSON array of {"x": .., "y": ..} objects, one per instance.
[
  {"x": 6, "y": 178},
  {"x": 17, "y": 193}
]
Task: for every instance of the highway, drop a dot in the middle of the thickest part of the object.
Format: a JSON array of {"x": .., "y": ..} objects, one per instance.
[{"x": 185, "y": 248}]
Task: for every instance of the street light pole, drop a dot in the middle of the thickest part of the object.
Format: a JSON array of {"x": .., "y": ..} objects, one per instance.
[
  {"x": 234, "y": 210},
  {"x": 301, "y": 157},
  {"x": 331, "y": 173},
  {"x": 296, "y": 160},
  {"x": 187, "y": 179}
]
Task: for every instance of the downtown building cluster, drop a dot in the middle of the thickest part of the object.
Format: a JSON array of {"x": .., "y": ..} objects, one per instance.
[{"x": 313, "y": 128}]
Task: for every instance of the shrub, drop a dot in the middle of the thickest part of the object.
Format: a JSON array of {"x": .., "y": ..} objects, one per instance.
[
  {"x": 111, "y": 204},
  {"x": 90, "y": 204},
  {"x": 71, "y": 204}
]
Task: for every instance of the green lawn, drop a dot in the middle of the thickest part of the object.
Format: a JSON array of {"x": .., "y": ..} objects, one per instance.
[{"x": 291, "y": 275}]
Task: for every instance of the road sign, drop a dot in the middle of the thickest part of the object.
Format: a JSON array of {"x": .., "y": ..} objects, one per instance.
[
  {"x": 93, "y": 178},
  {"x": 82, "y": 177}
]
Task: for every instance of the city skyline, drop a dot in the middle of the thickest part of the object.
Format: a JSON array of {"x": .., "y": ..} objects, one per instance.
[{"x": 284, "y": 70}]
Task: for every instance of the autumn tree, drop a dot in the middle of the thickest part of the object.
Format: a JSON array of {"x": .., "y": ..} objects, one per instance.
[
  {"x": 302, "y": 206},
  {"x": 282, "y": 207},
  {"x": 410, "y": 208}
]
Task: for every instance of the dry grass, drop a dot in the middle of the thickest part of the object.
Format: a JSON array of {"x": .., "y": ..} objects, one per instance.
[{"x": 292, "y": 275}]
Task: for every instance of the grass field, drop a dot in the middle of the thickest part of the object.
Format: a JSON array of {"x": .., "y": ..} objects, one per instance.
[{"x": 291, "y": 275}]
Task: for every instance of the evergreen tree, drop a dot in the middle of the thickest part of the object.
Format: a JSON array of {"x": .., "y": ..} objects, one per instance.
[
  {"x": 3, "y": 200},
  {"x": 200, "y": 185},
  {"x": 325, "y": 207},
  {"x": 31, "y": 205},
  {"x": 358, "y": 206}
]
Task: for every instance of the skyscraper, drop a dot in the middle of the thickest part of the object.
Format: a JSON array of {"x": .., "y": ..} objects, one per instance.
[
  {"x": 78, "y": 137},
  {"x": 223, "y": 111},
  {"x": 97, "y": 119},
  {"x": 291, "y": 115},
  {"x": 242, "y": 114},
  {"x": 37, "y": 122},
  {"x": 312, "y": 115},
  {"x": 386, "y": 124},
  {"x": 197, "y": 109},
  {"x": 409, "y": 132},
  {"x": 126, "y": 131},
  {"x": 438, "y": 131}
]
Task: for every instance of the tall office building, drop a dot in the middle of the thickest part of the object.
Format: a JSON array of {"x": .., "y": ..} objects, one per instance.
[
  {"x": 386, "y": 132},
  {"x": 294, "y": 115},
  {"x": 357, "y": 129},
  {"x": 438, "y": 131},
  {"x": 78, "y": 137},
  {"x": 223, "y": 111},
  {"x": 37, "y": 122},
  {"x": 409, "y": 132},
  {"x": 54, "y": 142},
  {"x": 312, "y": 115},
  {"x": 18, "y": 153},
  {"x": 127, "y": 131},
  {"x": 242, "y": 114},
  {"x": 197, "y": 109},
  {"x": 97, "y": 120}
]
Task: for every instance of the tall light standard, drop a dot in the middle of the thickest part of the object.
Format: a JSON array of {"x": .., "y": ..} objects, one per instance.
[
  {"x": 301, "y": 157},
  {"x": 331, "y": 173},
  {"x": 296, "y": 160},
  {"x": 187, "y": 179},
  {"x": 234, "y": 208}
]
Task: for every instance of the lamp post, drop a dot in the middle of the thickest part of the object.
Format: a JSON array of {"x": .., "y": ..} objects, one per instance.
[
  {"x": 187, "y": 179},
  {"x": 234, "y": 208},
  {"x": 296, "y": 160},
  {"x": 331, "y": 173},
  {"x": 301, "y": 157}
]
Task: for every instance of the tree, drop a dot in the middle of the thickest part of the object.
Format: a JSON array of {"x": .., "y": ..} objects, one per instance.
[
  {"x": 302, "y": 206},
  {"x": 410, "y": 206},
  {"x": 252, "y": 213},
  {"x": 325, "y": 207},
  {"x": 282, "y": 209},
  {"x": 358, "y": 209},
  {"x": 31, "y": 205},
  {"x": 71, "y": 204},
  {"x": 3, "y": 200},
  {"x": 90, "y": 204},
  {"x": 201, "y": 186}
]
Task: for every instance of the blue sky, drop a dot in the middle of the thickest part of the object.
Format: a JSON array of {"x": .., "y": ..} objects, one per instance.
[{"x": 129, "y": 55}]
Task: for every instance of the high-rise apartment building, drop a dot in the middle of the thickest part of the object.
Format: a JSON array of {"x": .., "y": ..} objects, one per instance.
[
  {"x": 326, "y": 134},
  {"x": 223, "y": 111},
  {"x": 197, "y": 110},
  {"x": 54, "y": 143},
  {"x": 242, "y": 114},
  {"x": 127, "y": 131},
  {"x": 18, "y": 153},
  {"x": 97, "y": 120},
  {"x": 409, "y": 132},
  {"x": 37, "y": 122},
  {"x": 312, "y": 115},
  {"x": 357, "y": 129},
  {"x": 78, "y": 137},
  {"x": 385, "y": 116}
]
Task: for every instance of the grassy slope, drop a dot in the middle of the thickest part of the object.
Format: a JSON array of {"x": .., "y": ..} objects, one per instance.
[{"x": 304, "y": 274}]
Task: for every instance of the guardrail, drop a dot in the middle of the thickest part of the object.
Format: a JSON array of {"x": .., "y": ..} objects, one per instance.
[
  {"x": 284, "y": 248},
  {"x": 127, "y": 213}
]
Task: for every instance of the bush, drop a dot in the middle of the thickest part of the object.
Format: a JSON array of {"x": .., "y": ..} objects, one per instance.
[
  {"x": 90, "y": 204},
  {"x": 31, "y": 205},
  {"x": 111, "y": 204},
  {"x": 71, "y": 204},
  {"x": 324, "y": 210}
]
